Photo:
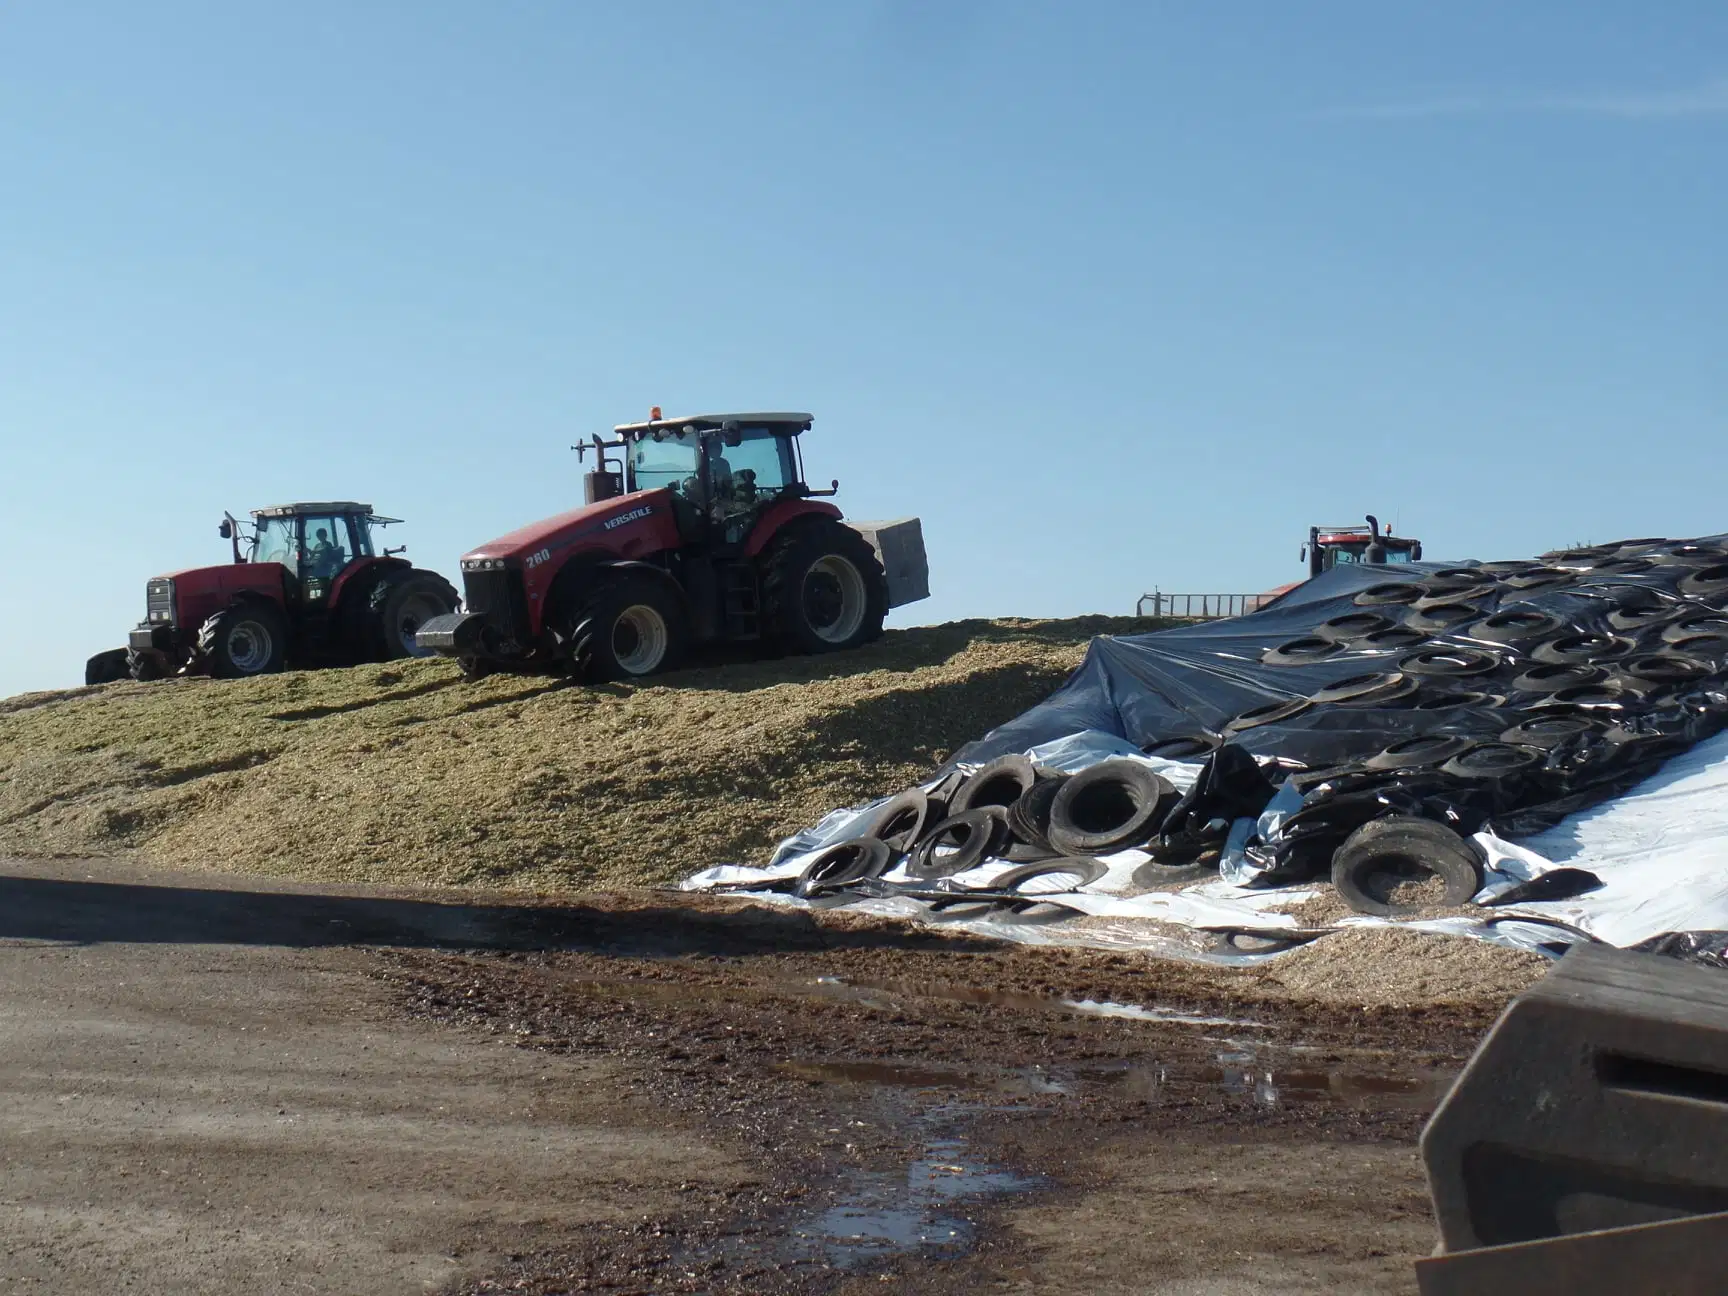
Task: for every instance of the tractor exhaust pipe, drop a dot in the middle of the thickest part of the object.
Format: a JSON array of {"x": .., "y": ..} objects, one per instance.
[{"x": 1376, "y": 552}]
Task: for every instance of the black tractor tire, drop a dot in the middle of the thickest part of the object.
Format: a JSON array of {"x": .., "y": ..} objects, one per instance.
[
  {"x": 1385, "y": 853},
  {"x": 144, "y": 666},
  {"x": 245, "y": 639},
  {"x": 627, "y": 627},
  {"x": 823, "y": 590},
  {"x": 1108, "y": 807},
  {"x": 107, "y": 667},
  {"x": 399, "y": 605}
]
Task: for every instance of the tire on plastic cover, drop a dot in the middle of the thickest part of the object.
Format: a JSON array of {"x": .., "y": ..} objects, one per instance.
[
  {"x": 976, "y": 835},
  {"x": 1419, "y": 752},
  {"x": 1271, "y": 713},
  {"x": 900, "y": 821},
  {"x": 1582, "y": 649},
  {"x": 1001, "y": 782},
  {"x": 1390, "y": 594},
  {"x": 1449, "y": 661},
  {"x": 1301, "y": 652},
  {"x": 1029, "y": 817},
  {"x": 1110, "y": 806},
  {"x": 1084, "y": 870},
  {"x": 1352, "y": 626},
  {"x": 844, "y": 863},
  {"x": 1515, "y": 626},
  {"x": 1371, "y": 870}
]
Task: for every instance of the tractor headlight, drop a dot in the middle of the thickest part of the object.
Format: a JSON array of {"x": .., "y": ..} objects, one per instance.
[{"x": 482, "y": 564}]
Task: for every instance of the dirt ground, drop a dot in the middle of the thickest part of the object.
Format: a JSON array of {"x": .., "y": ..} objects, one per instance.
[{"x": 225, "y": 1085}]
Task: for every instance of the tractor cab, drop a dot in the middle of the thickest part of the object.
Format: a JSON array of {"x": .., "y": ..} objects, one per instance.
[
  {"x": 1330, "y": 545},
  {"x": 722, "y": 469},
  {"x": 315, "y": 542}
]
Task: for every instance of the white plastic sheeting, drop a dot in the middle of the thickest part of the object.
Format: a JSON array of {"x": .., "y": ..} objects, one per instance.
[{"x": 1661, "y": 851}]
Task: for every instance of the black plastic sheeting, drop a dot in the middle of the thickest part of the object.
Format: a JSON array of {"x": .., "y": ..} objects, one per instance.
[{"x": 1468, "y": 652}]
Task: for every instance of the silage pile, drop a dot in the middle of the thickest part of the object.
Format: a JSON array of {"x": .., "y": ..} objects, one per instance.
[{"x": 406, "y": 773}]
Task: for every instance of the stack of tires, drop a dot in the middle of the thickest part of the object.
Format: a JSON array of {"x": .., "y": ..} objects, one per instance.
[{"x": 1038, "y": 822}]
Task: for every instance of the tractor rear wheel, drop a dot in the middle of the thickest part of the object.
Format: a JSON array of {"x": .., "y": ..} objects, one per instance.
[
  {"x": 401, "y": 604},
  {"x": 823, "y": 590},
  {"x": 249, "y": 638},
  {"x": 107, "y": 667},
  {"x": 625, "y": 628}
]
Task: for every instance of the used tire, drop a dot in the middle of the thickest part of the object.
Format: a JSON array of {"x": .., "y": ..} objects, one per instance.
[
  {"x": 107, "y": 667},
  {"x": 1662, "y": 668},
  {"x": 1551, "y": 677},
  {"x": 1515, "y": 626},
  {"x": 1420, "y": 752},
  {"x": 1271, "y": 713},
  {"x": 627, "y": 627},
  {"x": 1390, "y": 593},
  {"x": 1029, "y": 817},
  {"x": 1582, "y": 649},
  {"x": 842, "y": 864},
  {"x": 1449, "y": 661},
  {"x": 900, "y": 821},
  {"x": 1491, "y": 761},
  {"x": 1386, "y": 855},
  {"x": 823, "y": 589},
  {"x": 1396, "y": 639},
  {"x": 1185, "y": 748},
  {"x": 1301, "y": 652},
  {"x": 1549, "y": 731},
  {"x": 1366, "y": 690},
  {"x": 1708, "y": 624},
  {"x": 246, "y": 639},
  {"x": 1641, "y": 616},
  {"x": 1442, "y": 617},
  {"x": 1085, "y": 871},
  {"x": 1706, "y": 583},
  {"x": 1001, "y": 782},
  {"x": 1539, "y": 578},
  {"x": 1109, "y": 806},
  {"x": 400, "y": 604},
  {"x": 1352, "y": 626},
  {"x": 976, "y": 835}
]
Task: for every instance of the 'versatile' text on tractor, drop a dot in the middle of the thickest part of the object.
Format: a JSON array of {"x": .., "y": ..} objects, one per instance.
[
  {"x": 309, "y": 589},
  {"x": 696, "y": 531}
]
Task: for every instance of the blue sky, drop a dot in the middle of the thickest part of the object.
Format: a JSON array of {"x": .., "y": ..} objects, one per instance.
[{"x": 1112, "y": 295}]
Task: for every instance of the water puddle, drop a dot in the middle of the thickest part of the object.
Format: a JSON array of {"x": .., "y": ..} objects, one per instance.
[
  {"x": 886, "y": 995},
  {"x": 1238, "y": 1071},
  {"x": 879, "y": 1214}
]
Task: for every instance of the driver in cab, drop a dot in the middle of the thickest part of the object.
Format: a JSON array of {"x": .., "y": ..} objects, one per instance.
[{"x": 325, "y": 559}]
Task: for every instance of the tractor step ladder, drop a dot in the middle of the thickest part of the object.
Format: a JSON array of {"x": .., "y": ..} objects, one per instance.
[{"x": 741, "y": 601}]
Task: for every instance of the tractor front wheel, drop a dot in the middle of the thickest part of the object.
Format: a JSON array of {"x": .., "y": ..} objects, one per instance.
[
  {"x": 106, "y": 667},
  {"x": 145, "y": 665},
  {"x": 247, "y": 639},
  {"x": 626, "y": 628},
  {"x": 402, "y": 604},
  {"x": 823, "y": 590}
]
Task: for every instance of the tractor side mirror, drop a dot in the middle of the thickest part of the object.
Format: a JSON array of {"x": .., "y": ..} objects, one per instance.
[
  {"x": 1416, "y": 552},
  {"x": 1302, "y": 554},
  {"x": 733, "y": 439},
  {"x": 226, "y": 529}
]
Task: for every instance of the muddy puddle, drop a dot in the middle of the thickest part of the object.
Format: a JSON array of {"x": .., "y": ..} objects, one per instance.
[
  {"x": 923, "y": 1209},
  {"x": 1240, "y": 1072}
]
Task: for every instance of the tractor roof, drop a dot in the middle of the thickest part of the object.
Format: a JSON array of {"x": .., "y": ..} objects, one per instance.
[
  {"x": 303, "y": 510},
  {"x": 713, "y": 422}
]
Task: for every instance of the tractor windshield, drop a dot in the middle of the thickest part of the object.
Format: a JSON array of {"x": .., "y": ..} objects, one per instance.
[
  {"x": 276, "y": 542},
  {"x": 664, "y": 463}
]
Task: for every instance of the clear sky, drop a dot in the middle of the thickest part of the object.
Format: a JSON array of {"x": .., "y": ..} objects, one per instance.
[{"x": 1113, "y": 295}]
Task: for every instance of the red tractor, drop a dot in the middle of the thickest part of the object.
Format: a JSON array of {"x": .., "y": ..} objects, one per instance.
[
  {"x": 310, "y": 590},
  {"x": 1330, "y": 545},
  {"x": 701, "y": 531}
]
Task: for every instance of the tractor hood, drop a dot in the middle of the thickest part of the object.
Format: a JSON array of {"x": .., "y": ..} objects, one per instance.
[
  {"x": 594, "y": 522},
  {"x": 226, "y": 578}
]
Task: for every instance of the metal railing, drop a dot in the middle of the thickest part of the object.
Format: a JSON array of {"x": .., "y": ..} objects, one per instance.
[{"x": 1199, "y": 607}]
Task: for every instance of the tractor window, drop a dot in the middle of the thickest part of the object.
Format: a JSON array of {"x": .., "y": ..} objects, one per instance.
[
  {"x": 327, "y": 548},
  {"x": 757, "y": 467},
  {"x": 663, "y": 463},
  {"x": 277, "y": 542},
  {"x": 1397, "y": 555}
]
